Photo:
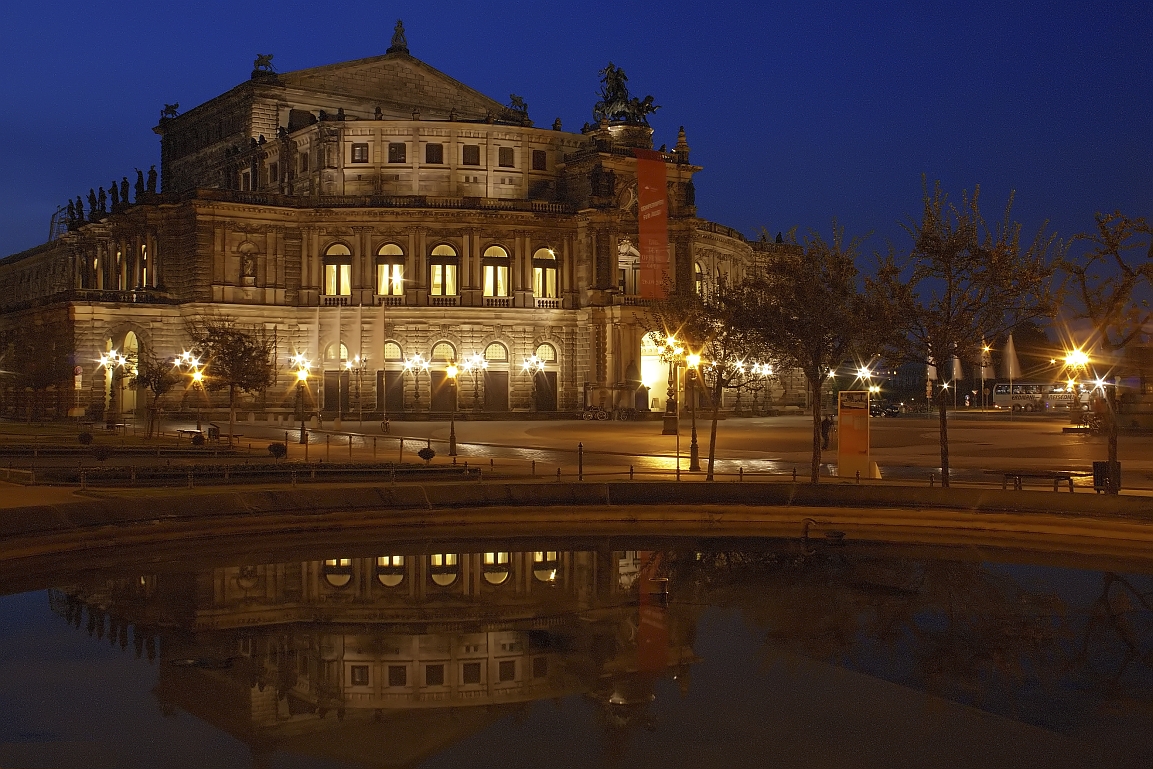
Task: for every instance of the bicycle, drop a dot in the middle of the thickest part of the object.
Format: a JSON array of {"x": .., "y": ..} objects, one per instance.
[{"x": 593, "y": 412}]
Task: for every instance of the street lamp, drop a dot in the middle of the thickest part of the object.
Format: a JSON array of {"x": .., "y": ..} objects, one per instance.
[
  {"x": 112, "y": 361},
  {"x": 415, "y": 365},
  {"x": 452, "y": 372},
  {"x": 198, "y": 387},
  {"x": 672, "y": 354},
  {"x": 693, "y": 360},
  {"x": 533, "y": 366},
  {"x": 358, "y": 364},
  {"x": 475, "y": 364},
  {"x": 302, "y": 366}
]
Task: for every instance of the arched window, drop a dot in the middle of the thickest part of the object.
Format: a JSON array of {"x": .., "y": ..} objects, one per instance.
[
  {"x": 698, "y": 279},
  {"x": 443, "y": 352},
  {"x": 496, "y": 270},
  {"x": 337, "y": 270},
  {"x": 443, "y": 264},
  {"x": 335, "y": 353},
  {"x": 390, "y": 270},
  {"x": 390, "y": 570},
  {"x": 443, "y": 568},
  {"x": 495, "y": 568},
  {"x": 496, "y": 353},
  {"x": 546, "y": 352},
  {"x": 337, "y": 571},
  {"x": 392, "y": 352},
  {"x": 544, "y": 274},
  {"x": 545, "y": 565}
]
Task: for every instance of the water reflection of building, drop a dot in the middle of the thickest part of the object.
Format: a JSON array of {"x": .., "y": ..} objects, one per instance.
[{"x": 389, "y": 658}]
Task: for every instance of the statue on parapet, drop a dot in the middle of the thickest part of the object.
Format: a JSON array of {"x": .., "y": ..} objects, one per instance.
[
  {"x": 516, "y": 111},
  {"x": 124, "y": 190},
  {"x": 115, "y": 196},
  {"x": 152, "y": 180},
  {"x": 139, "y": 184},
  {"x": 71, "y": 215},
  {"x": 616, "y": 105},
  {"x": 262, "y": 66},
  {"x": 170, "y": 111},
  {"x": 102, "y": 198},
  {"x": 79, "y": 211},
  {"x": 399, "y": 42}
]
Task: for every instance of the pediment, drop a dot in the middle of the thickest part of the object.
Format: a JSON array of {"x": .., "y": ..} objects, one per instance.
[{"x": 395, "y": 79}]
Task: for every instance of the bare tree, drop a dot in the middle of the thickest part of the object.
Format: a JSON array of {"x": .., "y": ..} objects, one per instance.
[
  {"x": 715, "y": 327},
  {"x": 962, "y": 282},
  {"x": 806, "y": 306},
  {"x": 1111, "y": 283},
  {"x": 235, "y": 358},
  {"x": 158, "y": 376}
]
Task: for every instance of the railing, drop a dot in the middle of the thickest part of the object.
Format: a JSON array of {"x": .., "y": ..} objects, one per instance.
[
  {"x": 335, "y": 301},
  {"x": 134, "y": 296},
  {"x": 720, "y": 229},
  {"x": 498, "y": 301},
  {"x": 629, "y": 300},
  {"x": 389, "y": 301},
  {"x": 443, "y": 301},
  {"x": 385, "y": 201},
  {"x": 547, "y": 304}
]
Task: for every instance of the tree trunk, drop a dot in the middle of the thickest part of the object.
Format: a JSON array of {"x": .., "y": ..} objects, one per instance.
[
  {"x": 1113, "y": 428},
  {"x": 818, "y": 412},
  {"x": 713, "y": 430},
  {"x": 231, "y": 411},
  {"x": 943, "y": 415}
]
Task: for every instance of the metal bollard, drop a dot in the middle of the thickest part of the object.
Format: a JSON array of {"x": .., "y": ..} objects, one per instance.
[
  {"x": 794, "y": 475},
  {"x": 740, "y": 474},
  {"x": 132, "y": 472},
  {"x": 374, "y": 448},
  {"x": 858, "y": 477},
  {"x": 190, "y": 479},
  {"x": 580, "y": 461},
  {"x": 491, "y": 464},
  {"x": 350, "y": 446},
  {"x": 293, "y": 474},
  {"x": 558, "y": 475},
  {"x": 401, "y": 459},
  {"x": 534, "y": 467},
  {"x": 932, "y": 480},
  {"x": 83, "y": 480},
  {"x": 630, "y": 472},
  {"x": 286, "y": 444},
  {"x": 226, "y": 473},
  {"x": 328, "y": 447}
]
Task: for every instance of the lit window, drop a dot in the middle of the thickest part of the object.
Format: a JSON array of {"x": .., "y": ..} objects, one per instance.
[
  {"x": 397, "y": 152},
  {"x": 495, "y": 568},
  {"x": 545, "y": 565},
  {"x": 504, "y": 157},
  {"x": 392, "y": 351},
  {"x": 434, "y": 154},
  {"x": 390, "y": 570},
  {"x": 443, "y": 352},
  {"x": 443, "y": 568},
  {"x": 470, "y": 155},
  {"x": 360, "y": 153},
  {"x": 337, "y": 571},
  {"x": 496, "y": 270},
  {"x": 496, "y": 353},
  {"x": 547, "y": 353},
  {"x": 443, "y": 265},
  {"x": 544, "y": 274},
  {"x": 539, "y": 160},
  {"x": 359, "y": 675},
  {"x": 337, "y": 271},
  {"x": 390, "y": 270},
  {"x": 699, "y": 280}
]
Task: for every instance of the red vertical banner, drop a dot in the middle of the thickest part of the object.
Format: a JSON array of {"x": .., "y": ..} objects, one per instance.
[{"x": 652, "y": 223}]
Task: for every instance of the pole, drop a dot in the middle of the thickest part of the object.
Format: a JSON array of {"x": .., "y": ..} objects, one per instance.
[
  {"x": 580, "y": 461},
  {"x": 452, "y": 423},
  {"x": 694, "y": 449},
  {"x": 300, "y": 407}
]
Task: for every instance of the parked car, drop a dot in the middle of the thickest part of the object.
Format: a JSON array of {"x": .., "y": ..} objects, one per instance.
[{"x": 884, "y": 409}]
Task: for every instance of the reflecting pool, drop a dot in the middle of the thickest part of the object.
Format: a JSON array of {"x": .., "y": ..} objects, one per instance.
[{"x": 562, "y": 652}]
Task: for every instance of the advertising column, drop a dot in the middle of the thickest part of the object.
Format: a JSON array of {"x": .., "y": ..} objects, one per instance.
[{"x": 853, "y": 434}]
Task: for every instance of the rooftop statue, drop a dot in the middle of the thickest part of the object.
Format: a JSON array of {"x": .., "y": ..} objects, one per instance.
[
  {"x": 263, "y": 65},
  {"x": 399, "y": 43},
  {"x": 170, "y": 110},
  {"x": 616, "y": 105}
]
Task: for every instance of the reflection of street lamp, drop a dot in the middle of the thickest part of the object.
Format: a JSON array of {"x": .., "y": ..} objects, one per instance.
[
  {"x": 693, "y": 360},
  {"x": 452, "y": 372},
  {"x": 533, "y": 366},
  {"x": 358, "y": 364},
  {"x": 302, "y": 365},
  {"x": 112, "y": 361},
  {"x": 475, "y": 364},
  {"x": 415, "y": 365}
]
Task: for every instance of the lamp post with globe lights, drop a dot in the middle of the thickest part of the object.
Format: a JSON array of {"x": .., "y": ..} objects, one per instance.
[
  {"x": 451, "y": 371},
  {"x": 358, "y": 365},
  {"x": 414, "y": 366},
  {"x": 302, "y": 366},
  {"x": 533, "y": 366},
  {"x": 112, "y": 362},
  {"x": 475, "y": 364},
  {"x": 694, "y": 361}
]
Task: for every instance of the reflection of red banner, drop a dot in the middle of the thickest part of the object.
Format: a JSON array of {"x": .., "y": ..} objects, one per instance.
[
  {"x": 652, "y": 619},
  {"x": 652, "y": 223}
]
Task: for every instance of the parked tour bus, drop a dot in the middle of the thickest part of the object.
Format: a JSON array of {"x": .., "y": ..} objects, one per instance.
[{"x": 1040, "y": 396}]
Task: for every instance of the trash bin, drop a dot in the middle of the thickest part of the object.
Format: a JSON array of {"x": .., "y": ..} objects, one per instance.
[
  {"x": 1103, "y": 479},
  {"x": 214, "y": 433}
]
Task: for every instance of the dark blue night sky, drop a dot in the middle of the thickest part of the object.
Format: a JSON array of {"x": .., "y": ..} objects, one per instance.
[{"x": 799, "y": 111}]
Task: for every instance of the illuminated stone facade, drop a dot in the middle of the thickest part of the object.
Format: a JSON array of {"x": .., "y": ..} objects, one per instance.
[{"x": 371, "y": 211}]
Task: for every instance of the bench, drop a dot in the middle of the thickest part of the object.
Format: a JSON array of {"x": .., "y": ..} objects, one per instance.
[{"x": 1058, "y": 477}]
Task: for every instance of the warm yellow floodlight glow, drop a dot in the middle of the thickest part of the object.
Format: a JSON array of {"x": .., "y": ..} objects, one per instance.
[
  {"x": 301, "y": 374},
  {"x": 197, "y": 377},
  {"x": 693, "y": 360},
  {"x": 1076, "y": 358},
  {"x": 864, "y": 373},
  {"x": 452, "y": 371}
]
